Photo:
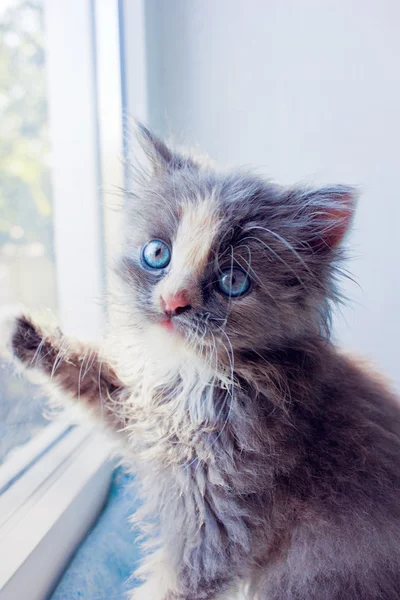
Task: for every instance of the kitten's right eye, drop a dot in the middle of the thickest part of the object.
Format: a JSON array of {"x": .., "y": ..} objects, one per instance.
[
  {"x": 156, "y": 255},
  {"x": 234, "y": 282}
]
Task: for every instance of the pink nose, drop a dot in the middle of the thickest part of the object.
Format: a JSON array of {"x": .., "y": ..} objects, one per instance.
[{"x": 175, "y": 304}]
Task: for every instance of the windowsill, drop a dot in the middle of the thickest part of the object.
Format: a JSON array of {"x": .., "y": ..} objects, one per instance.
[{"x": 54, "y": 489}]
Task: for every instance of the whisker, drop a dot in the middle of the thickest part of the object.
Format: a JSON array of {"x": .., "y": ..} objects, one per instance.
[
  {"x": 285, "y": 243},
  {"x": 280, "y": 258}
]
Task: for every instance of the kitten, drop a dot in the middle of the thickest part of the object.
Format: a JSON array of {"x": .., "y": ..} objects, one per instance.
[{"x": 269, "y": 462}]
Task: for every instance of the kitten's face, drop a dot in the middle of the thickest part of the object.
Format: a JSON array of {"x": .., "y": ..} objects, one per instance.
[{"x": 227, "y": 262}]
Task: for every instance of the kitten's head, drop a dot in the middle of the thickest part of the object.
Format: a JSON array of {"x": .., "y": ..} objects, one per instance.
[{"x": 225, "y": 260}]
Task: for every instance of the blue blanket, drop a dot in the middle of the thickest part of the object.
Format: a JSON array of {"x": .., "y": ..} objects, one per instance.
[{"x": 102, "y": 565}]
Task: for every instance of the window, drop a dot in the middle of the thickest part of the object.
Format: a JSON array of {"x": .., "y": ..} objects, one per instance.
[
  {"x": 60, "y": 140},
  {"x": 27, "y": 268}
]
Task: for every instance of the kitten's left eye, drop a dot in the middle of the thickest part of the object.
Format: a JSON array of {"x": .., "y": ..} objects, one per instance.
[
  {"x": 233, "y": 282},
  {"x": 156, "y": 254}
]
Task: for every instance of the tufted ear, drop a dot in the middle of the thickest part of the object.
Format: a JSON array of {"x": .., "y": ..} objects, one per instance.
[
  {"x": 160, "y": 156},
  {"x": 326, "y": 215}
]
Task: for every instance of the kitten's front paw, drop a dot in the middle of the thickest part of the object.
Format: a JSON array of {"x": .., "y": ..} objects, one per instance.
[{"x": 10, "y": 317}]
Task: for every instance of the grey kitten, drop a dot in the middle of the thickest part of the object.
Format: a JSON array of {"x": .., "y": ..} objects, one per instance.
[{"x": 269, "y": 462}]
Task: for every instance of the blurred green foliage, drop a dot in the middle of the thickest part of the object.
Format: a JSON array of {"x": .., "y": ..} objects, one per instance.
[
  {"x": 25, "y": 194},
  {"x": 25, "y": 191}
]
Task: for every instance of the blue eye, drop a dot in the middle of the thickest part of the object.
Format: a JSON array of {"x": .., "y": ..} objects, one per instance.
[
  {"x": 234, "y": 282},
  {"x": 156, "y": 254}
]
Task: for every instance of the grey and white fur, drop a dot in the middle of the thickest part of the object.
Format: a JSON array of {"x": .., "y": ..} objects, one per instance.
[{"x": 268, "y": 461}]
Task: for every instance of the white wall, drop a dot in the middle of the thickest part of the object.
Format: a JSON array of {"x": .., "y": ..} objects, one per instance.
[{"x": 308, "y": 91}]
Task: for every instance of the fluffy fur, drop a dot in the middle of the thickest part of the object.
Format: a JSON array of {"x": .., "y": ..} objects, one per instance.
[{"x": 268, "y": 461}]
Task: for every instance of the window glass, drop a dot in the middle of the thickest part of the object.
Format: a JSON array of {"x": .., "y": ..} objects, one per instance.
[{"x": 27, "y": 267}]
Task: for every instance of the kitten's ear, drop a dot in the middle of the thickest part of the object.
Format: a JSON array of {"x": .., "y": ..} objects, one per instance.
[
  {"x": 161, "y": 157},
  {"x": 329, "y": 212}
]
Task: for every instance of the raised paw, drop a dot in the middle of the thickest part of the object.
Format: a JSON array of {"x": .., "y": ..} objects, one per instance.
[{"x": 10, "y": 322}]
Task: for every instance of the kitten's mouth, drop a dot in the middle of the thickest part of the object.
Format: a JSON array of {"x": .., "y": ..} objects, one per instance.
[
  {"x": 175, "y": 327},
  {"x": 168, "y": 325},
  {"x": 172, "y": 327}
]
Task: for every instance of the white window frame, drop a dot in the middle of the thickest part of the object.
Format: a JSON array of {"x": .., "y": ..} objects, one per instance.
[
  {"x": 49, "y": 508},
  {"x": 55, "y": 486}
]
